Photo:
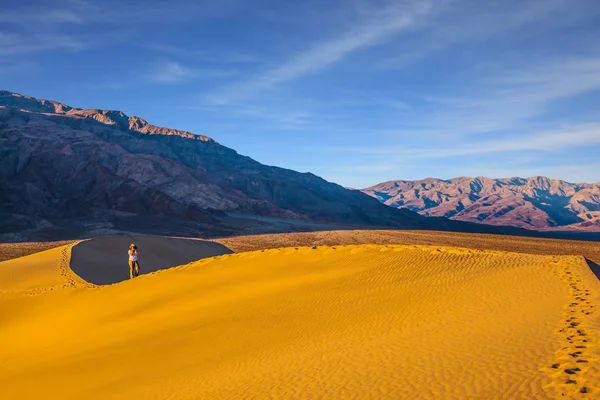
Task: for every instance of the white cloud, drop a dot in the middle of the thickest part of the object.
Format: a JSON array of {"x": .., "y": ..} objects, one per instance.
[{"x": 373, "y": 31}]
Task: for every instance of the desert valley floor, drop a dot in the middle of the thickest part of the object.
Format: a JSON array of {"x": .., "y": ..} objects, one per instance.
[{"x": 344, "y": 314}]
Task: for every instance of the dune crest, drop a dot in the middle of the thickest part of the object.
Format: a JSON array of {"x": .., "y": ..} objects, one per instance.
[
  {"x": 39, "y": 272},
  {"x": 363, "y": 321}
]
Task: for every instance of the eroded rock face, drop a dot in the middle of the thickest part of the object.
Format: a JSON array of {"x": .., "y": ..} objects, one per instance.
[
  {"x": 59, "y": 162},
  {"x": 533, "y": 203}
]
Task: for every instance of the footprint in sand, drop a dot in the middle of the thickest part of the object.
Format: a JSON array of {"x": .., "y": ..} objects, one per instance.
[{"x": 572, "y": 371}]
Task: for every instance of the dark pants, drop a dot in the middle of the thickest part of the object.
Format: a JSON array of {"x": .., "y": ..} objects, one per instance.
[{"x": 134, "y": 269}]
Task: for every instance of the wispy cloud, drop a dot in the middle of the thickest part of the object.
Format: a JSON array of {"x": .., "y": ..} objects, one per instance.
[
  {"x": 172, "y": 72},
  {"x": 115, "y": 13},
  {"x": 362, "y": 100},
  {"x": 108, "y": 84},
  {"x": 388, "y": 22},
  {"x": 47, "y": 17},
  {"x": 569, "y": 137},
  {"x": 479, "y": 21},
  {"x": 65, "y": 25},
  {"x": 61, "y": 12},
  {"x": 508, "y": 99},
  {"x": 17, "y": 66},
  {"x": 220, "y": 57},
  {"x": 288, "y": 118},
  {"x": 172, "y": 11},
  {"x": 30, "y": 27},
  {"x": 17, "y": 43},
  {"x": 364, "y": 168}
]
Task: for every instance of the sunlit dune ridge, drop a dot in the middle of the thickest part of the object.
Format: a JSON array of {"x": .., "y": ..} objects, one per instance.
[{"x": 351, "y": 322}]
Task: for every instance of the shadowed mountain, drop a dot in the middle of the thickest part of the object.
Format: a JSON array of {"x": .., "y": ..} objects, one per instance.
[{"x": 533, "y": 203}]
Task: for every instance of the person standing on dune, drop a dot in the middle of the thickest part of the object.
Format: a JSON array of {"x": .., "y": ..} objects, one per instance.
[{"x": 134, "y": 266}]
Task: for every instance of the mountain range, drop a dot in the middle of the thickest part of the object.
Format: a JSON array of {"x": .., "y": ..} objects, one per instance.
[
  {"x": 70, "y": 171},
  {"x": 538, "y": 203}
]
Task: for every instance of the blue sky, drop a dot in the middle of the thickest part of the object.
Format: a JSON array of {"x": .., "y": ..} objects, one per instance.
[{"x": 355, "y": 91}]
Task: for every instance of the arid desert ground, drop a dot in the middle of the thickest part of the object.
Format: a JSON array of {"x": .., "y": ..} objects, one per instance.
[{"x": 339, "y": 314}]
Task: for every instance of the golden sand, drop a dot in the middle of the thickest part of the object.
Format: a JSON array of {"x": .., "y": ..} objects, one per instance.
[
  {"x": 477, "y": 241},
  {"x": 343, "y": 322},
  {"x": 38, "y": 272}
]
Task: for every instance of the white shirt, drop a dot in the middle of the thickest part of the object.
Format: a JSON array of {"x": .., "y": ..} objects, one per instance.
[{"x": 132, "y": 255}]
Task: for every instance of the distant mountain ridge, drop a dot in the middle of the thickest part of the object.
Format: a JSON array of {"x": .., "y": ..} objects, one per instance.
[{"x": 539, "y": 202}]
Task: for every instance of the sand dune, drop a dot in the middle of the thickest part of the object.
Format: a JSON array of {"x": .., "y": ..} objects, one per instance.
[
  {"x": 476, "y": 241},
  {"x": 354, "y": 322},
  {"x": 103, "y": 260}
]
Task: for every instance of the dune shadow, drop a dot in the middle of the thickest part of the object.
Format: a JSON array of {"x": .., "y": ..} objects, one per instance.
[
  {"x": 594, "y": 267},
  {"x": 104, "y": 260}
]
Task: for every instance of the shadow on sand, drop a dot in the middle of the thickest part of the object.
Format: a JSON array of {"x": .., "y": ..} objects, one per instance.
[
  {"x": 104, "y": 260},
  {"x": 594, "y": 267}
]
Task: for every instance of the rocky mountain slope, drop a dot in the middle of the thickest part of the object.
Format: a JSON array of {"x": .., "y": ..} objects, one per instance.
[
  {"x": 61, "y": 166},
  {"x": 534, "y": 203}
]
